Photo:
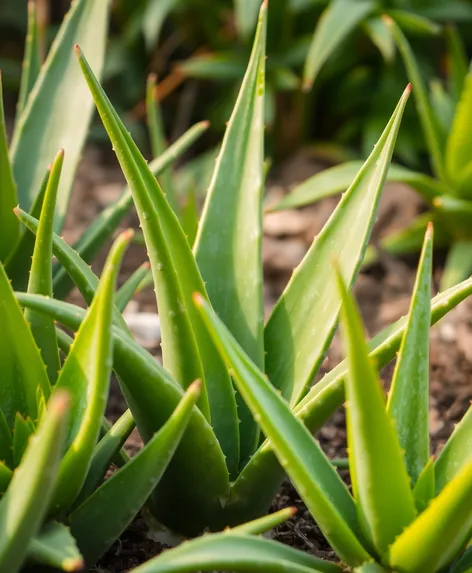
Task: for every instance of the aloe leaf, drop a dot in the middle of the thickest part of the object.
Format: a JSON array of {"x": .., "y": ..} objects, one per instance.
[
  {"x": 457, "y": 61},
  {"x": 108, "y": 220},
  {"x": 24, "y": 506},
  {"x": 5, "y": 477},
  {"x": 152, "y": 396},
  {"x": 416, "y": 24},
  {"x": 21, "y": 433},
  {"x": 237, "y": 552},
  {"x": 22, "y": 368},
  {"x": 309, "y": 469},
  {"x": 437, "y": 535},
  {"x": 380, "y": 35},
  {"x": 40, "y": 280},
  {"x": 55, "y": 546},
  {"x": 104, "y": 453},
  {"x": 259, "y": 481},
  {"x": 9, "y": 227},
  {"x": 230, "y": 230},
  {"x": 337, "y": 179},
  {"x": 424, "y": 489},
  {"x": 264, "y": 523},
  {"x": 99, "y": 521},
  {"x": 338, "y": 20},
  {"x": 370, "y": 568},
  {"x": 6, "y": 442},
  {"x": 303, "y": 321},
  {"x": 458, "y": 264},
  {"x": 425, "y": 111},
  {"x": 129, "y": 288},
  {"x": 443, "y": 105},
  {"x": 158, "y": 140},
  {"x": 59, "y": 108},
  {"x": 380, "y": 481},
  {"x": 456, "y": 453},
  {"x": 176, "y": 277},
  {"x": 464, "y": 564},
  {"x": 459, "y": 143},
  {"x": 408, "y": 403},
  {"x": 31, "y": 60},
  {"x": 86, "y": 376}
]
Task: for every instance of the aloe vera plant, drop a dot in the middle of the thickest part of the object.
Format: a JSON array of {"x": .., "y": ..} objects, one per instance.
[
  {"x": 444, "y": 112},
  {"x": 224, "y": 266},
  {"x": 408, "y": 512}
]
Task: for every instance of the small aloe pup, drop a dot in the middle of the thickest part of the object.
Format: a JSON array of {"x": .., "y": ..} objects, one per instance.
[
  {"x": 408, "y": 513},
  {"x": 223, "y": 472}
]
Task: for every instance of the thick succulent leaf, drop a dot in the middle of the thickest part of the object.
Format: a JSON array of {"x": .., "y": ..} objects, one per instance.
[
  {"x": 6, "y": 442},
  {"x": 22, "y": 368},
  {"x": 370, "y": 568},
  {"x": 230, "y": 230},
  {"x": 100, "y": 520},
  {"x": 24, "y": 506},
  {"x": 152, "y": 396},
  {"x": 9, "y": 227},
  {"x": 5, "y": 477},
  {"x": 22, "y": 431},
  {"x": 459, "y": 143},
  {"x": 104, "y": 454},
  {"x": 424, "y": 489},
  {"x": 246, "y": 15},
  {"x": 458, "y": 264},
  {"x": 338, "y": 20},
  {"x": 235, "y": 552},
  {"x": 176, "y": 277},
  {"x": 303, "y": 321},
  {"x": 265, "y": 523},
  {"x": 425, "y": 111},
  {"x": 435, "y": 538},
  {"x": 59, "y": 109},
  {"x": 337, "y": 179},
  {"x": 108, "y": 220},
  {"x": 31, "y": 60},
  {"x": 464, "y": 565},
  {"x": 457, "y": 62},
  {"x": 408, "y": 403},
  {"x": 443, "y": 105},
  {"x": 40, "y": 279},
  {"x": 313, "y": 475},
  {"x": 381, "y": 35},
  {"x": 380, "y": 481},
  {"x": 456, "y": 453},
  {"x": 54, "y": 546},
  {"x": 86, "y": 376},
  {"x": 130, "y": 286},
  {"x": 415, "y": 24},
  {"x": 263, "y": 473}
]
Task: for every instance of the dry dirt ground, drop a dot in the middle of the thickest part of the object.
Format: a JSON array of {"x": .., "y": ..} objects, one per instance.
[{"x": 383, "y": 293}]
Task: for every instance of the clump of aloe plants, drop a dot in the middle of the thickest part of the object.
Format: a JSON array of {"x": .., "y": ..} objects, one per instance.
[{"x": 224, "y": 471}]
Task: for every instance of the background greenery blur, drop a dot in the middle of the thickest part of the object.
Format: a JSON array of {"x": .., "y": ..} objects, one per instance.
[{"x": 199, "y": 50}]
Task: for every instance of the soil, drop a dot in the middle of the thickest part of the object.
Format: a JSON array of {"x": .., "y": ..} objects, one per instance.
[{"x": 383, "y": 293}]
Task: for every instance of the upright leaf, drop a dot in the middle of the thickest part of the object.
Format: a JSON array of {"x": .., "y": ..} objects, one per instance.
[
  {"x": 40, "y": 280},
  {"x": 408, "y": 403},
  {"x": 457, "y": 62},
  {"x": 24, "y": 506},
  {"x": 230, "y": 230},
  {"x": 9, "y": 227},
  {"x": 338, "y": 20},
  {"x": 59, "y": 109},
  {"x": 380, "y": 481},
  {"x": 86, "y": 376},
  {"x": 299, "y": 330}
]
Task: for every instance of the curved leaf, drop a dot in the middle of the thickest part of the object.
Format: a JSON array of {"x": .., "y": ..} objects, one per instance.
[{"x": 55, "y": 546}]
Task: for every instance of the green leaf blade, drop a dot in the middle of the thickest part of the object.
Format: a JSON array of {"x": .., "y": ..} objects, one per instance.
[{"x": 55, "y": 547}]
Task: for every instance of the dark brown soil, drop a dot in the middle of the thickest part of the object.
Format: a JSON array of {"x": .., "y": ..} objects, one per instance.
[{"x": 383, "y": 294}]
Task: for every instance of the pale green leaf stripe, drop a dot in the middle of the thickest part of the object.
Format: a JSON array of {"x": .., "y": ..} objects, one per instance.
[
  {"x": 459, "y": 143},
  {"x": 9, "y": 226},
  {"x": 456, "y": 453},
  {"x": 156, "y": 212},
  {"x": 380, "y": 482},
  {"x": 438, "y": 534},
  {"x": 86, "y": 376},
  {"x": 100, "y": 520},
  {"x": 32, "y": 486},
  {"x": 298, "y": 453},
  {"x": 408, "y": 403},
  {"x": 235, "y": 552},
  {"x": 230, "y": 230},
  {"x": 338, "y": 20},
  {"x": 59, "y": 109},
  {"x": 31, "y": 61},
  {"x": 40, "y": 278},
  {"x": 303, "y": 321},
  {"x": 425, "y": 112},
  {"x": 55, "y": 546}
]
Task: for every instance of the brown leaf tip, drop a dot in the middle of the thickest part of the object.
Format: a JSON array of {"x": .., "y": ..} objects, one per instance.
[
  {"x": 127, "y": 235},
  {"x": 429, "y": 229},
  {"x": 59, "y": 401},
  {"x": 73, "y": 564}
]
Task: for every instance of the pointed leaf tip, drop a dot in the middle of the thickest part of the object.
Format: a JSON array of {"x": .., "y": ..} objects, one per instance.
[
  {"x": 195, "y": 387},
  {"x": 198, "y": 299},
  {"x": 73, "y": 564},
  {"x": 59, "y": 401}
]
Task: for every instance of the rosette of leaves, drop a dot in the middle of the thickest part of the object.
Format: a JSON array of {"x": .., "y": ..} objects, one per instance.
[
  {"x": 444, "y": 112},
  {"x": 224, "y": 472}
]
